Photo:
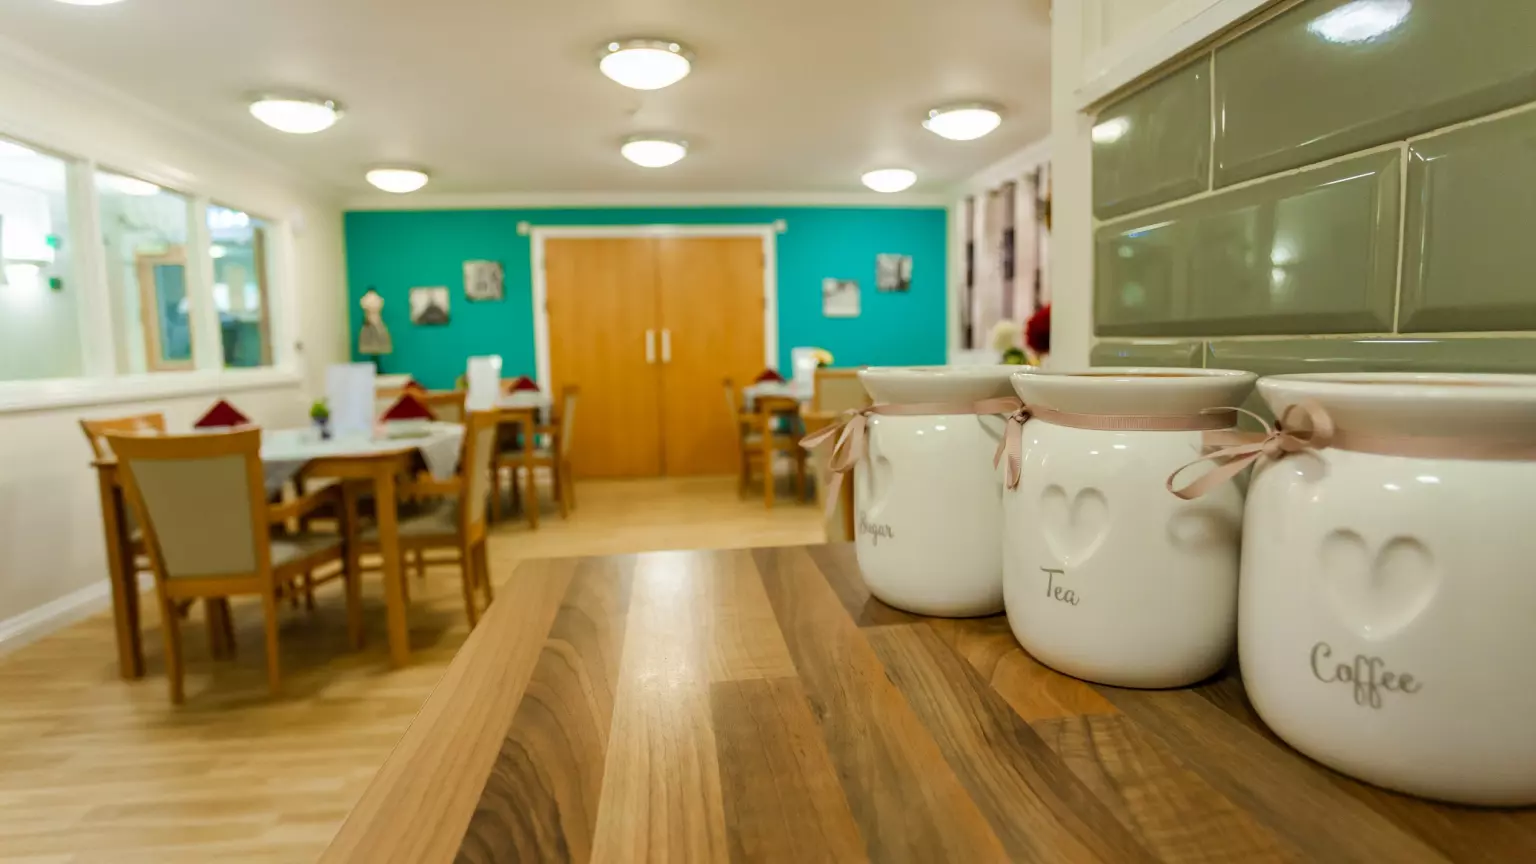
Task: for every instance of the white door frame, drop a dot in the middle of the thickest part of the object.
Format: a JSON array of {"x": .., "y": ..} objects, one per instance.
[{"x": 768, "y": 234}]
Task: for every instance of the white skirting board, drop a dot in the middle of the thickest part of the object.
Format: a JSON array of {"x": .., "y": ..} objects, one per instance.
[{"x": 55, "y": 615}]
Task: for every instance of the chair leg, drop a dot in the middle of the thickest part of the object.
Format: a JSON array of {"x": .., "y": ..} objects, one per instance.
[
  {"x": 558, "y": 477},
  {"x": 309, "y": 591},
  {"x": 352, "y": 566},
  {"x": 496, "y": 491},
  {"x": 532, "y": 506},
  {"x": 215, "y": 627},
  {"x": 745, "y": 476},
  {"x": 767, "y": 469},
  {"x": 483, "y": 566},
  {"x": 799, "y": 475},
  {"x": 568, "y": 474},
  {"x": 227, "y": 618},
  {"x": 170, "y": 625},
  {"x": 421, "y": 564},
  {"x": 269, "y": 608},
  {"x": 467, "y": 580}
]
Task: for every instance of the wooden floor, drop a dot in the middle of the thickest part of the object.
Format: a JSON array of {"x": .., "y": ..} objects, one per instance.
[{"x": 95, "y": 769}]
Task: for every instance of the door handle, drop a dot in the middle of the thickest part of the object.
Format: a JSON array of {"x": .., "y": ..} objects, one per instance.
[
  {"x": 666, "y": 346},
  {"x": 650, "y": 346}
]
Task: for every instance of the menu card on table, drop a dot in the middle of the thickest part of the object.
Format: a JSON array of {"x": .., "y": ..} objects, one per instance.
[{"x": 349, "y": 390}]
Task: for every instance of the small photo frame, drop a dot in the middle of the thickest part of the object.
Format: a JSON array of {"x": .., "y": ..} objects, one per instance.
[
  {"x": 429, "y": 306},
  {"x": 483, "y": 281},
  {"x": 893, "y": 273}
]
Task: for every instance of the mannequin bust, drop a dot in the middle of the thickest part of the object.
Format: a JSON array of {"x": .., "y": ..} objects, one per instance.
[{"x": 373, "y": 340}]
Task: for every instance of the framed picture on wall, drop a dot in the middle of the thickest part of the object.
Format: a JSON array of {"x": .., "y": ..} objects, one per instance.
[
  {"x": 840, "y": 298},
  {"x": 483, "y": 281},
  {"x": 429, "y": 306},
  {"x": 893, "y": 273}
]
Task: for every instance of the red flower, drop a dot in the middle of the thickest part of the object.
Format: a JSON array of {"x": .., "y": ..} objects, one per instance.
[{"x": 1037, "y": 333}]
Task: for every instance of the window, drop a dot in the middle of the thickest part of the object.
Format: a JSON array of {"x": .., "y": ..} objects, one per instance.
[
  {"x": 239, "y": 249},
  {"x": 145, "y": 230},
  {"x": 39, "y": 301}
]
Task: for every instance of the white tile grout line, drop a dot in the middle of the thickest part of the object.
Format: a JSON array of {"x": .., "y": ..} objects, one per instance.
[
  {"x": 1323, "y": 337},
  {"x": 1402, "y": 233},
  {"x": 1210, "y": 162}
]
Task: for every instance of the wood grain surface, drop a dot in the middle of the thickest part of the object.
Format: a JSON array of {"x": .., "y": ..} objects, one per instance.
[{"x": 759, "y": 705}]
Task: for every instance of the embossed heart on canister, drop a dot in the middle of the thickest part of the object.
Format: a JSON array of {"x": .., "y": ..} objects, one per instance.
[
  {"x": 1377, "y": 594},
  {"x": 1074, "y": 527}
]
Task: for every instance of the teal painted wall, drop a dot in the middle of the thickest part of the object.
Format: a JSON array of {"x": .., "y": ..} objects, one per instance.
[{"x": 395, "y": 250}]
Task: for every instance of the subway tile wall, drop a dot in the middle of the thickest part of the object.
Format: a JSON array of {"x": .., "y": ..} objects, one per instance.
[{"x": 1345, "y": 186}]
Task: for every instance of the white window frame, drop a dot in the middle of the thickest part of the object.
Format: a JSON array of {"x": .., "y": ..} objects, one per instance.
[
  {"x": 769, "y": 235},
  {"x": 101, "y": 382}
]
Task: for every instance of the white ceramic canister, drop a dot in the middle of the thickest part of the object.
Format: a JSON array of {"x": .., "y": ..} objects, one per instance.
[
  {"x": 1388, "y": 606},
  {"x": 1108, "y": 576},
  {"x": 927, "y": 501}
]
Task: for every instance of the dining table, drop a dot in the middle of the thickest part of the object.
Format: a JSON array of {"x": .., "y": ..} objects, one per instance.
[
  {"x": 761, "y": 705},
  {"x": 800, "y": 391},
  {"x": 377, "y": 459}
]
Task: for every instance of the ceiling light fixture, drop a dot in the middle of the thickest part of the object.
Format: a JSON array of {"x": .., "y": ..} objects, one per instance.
[
  {"x": 645, "y": 64},
  {"x": 650, "y": 151},
  {"x": 397, "y": 179},
  {"x": 963, "y": 122},
  {"x": 1360, "y": 20},
  {"x": 294, "y": 113},
  {"x": 126, "y": 185},
  {"x": 890, "y": 180}
]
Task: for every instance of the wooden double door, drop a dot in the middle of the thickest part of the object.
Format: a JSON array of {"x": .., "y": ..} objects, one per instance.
[{"x": 648, "y": 328}]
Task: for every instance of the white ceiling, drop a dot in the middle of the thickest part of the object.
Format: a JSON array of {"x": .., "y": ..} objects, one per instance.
[{"x": 504, "y": 96}]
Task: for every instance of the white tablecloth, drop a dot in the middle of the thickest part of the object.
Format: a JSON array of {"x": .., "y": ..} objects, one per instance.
[
  {"x": 284, "y": 451},
  {"x": 801, "y": 391}
]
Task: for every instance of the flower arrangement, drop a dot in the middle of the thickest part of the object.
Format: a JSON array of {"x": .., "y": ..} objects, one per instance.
[
  {"x": 320, "y": 413},
  {"x": 1037, "y": 333}
]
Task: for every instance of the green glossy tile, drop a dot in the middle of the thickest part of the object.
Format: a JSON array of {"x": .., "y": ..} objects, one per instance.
[
  {"x": 1314, "y": 252},
  {"x": 1333, "y": 76},
  {"x": 1385, "y": 354},
  {"x": 1147, "y": 352},
  {"x": 1155, "y": 145},
  {"x": 1468, "y": 255}
]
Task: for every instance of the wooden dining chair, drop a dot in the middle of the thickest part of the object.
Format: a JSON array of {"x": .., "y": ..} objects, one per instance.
[
  {"x": 445, "y": 405},
  {"x": 208, "y": 530},
  {"x": 556, "y": 454},
  {"x": 514, "y": 451},
  {"x": 96, "y": 431},
  {"x": 758, "y": 441},
  {"x": 457, "y": 521},
  {"x": 838, "y": 390}
]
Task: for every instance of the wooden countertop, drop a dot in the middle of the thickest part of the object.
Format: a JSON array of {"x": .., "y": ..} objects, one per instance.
[{"x": 758, "y": 705}]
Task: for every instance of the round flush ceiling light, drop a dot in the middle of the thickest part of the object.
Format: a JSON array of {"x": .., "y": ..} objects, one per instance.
[
  {"x": 652, "y": 152},
  {"x": 645, "y": 64},
  {"x": 890, "y": 179},
  {"x": 398, "y": 180},
  {"x": 965, "y": 122},
  {"x": 294, "y": 114}
]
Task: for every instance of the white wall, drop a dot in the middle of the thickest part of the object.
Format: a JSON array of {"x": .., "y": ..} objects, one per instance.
[{"x": 52, "y": 556}]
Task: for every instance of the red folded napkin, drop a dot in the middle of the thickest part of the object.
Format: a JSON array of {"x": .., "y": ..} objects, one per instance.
[
  {"x": 524, "y": 384},
  {"x": 222, "y": 416},
  {"x": 412, "y": 386},
  {"x": 768, "y": 375},
  {"x": 408, "y": 407}
]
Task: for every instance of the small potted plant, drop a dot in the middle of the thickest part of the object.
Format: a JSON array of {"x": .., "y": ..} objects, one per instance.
[{"x": 320, "y": 414}]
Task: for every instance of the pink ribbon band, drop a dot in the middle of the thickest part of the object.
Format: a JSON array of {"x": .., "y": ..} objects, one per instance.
[
  {"x": 1012, "y": 445},
  {"x": 852, "y": 428},
  {"x": 1306, "y": 426}
]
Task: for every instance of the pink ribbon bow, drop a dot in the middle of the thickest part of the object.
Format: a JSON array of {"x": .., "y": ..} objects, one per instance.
[
  {"x": 852, "y": 430},
  {"x": 1012, "y": 445},
  {"x": 1302, "y": 426}
]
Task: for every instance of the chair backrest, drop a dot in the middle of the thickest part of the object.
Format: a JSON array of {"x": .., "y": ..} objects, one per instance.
[
  {"x": 201, "y": 499},
  {"x": 838, "y": 390},
  {"x": 445, "y": 405},
  {"x": 96, "y": 431},
  {"x": 776, "y": 406},
  {"x": 475, "y": 469},
  {"x": 568, "y": 418},
  {"x": 731, "y": 403}
]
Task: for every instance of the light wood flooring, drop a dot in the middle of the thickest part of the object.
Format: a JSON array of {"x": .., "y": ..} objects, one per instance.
[{"x": 95, "y": 769}]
